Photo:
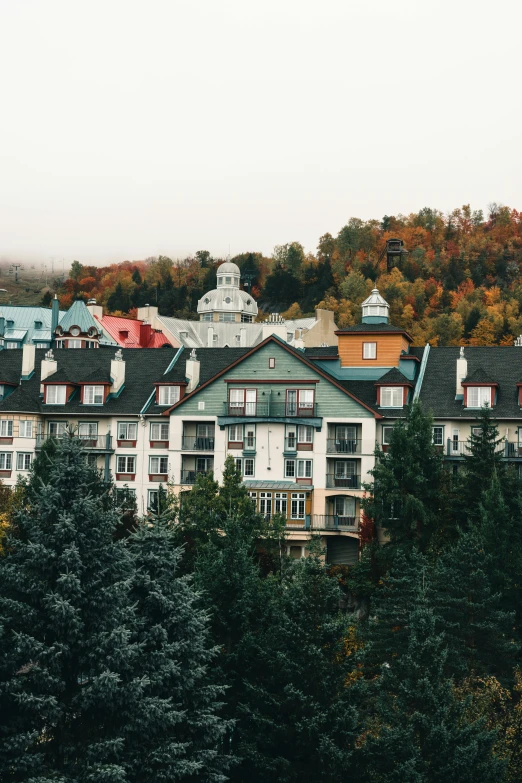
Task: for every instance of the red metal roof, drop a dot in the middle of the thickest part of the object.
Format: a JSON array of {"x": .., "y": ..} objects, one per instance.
[{"x": 126, "y": 332}]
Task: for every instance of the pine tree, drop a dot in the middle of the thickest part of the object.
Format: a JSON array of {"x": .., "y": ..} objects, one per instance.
[
  {"x": 407, "y": 497},
  {"x": 483, "y": 461},
  {"x": 417, "y": 733},
  {"x": 179, "y": 732}
]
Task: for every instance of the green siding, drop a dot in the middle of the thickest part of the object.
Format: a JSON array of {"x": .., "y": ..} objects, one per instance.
[{"x": 330, "y": 400}]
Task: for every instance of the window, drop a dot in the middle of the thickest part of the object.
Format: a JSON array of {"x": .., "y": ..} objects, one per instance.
[
  {"x": 2, "y": 392},
  {"x": 93, "y": 395},
  {"x": 305, "y": 434},
  {"x": 477, "y": 431},
  {"x": 291, "y": 438},
  {"x": 271, "y": 364},
  {"x": 127, "y": 430},
  {"x": 306, "y": 398},
  {"x": 158, "y": 465},
  {"x": 168, "y": 395},
  {"x": 345, "y": 469},
  {"x": 369, "y": 350},
  {"x": 88, "y": 430},
  {"x": 11, "y": 345},
  {"x": 280, "y": 503},
  {"x": 57, "y": 428},
  {"x": 56, "y": 395},
  {"x": 235, "y": 433},
  {"x": 42, "y": 345},
  {"x": 265, "y": 504},
  {"x": 290, "y": 468},
  {"x": 297, "y": 505},
  {"x": 344, "y": 507},
  {"x": 298, "y": 468},
  {"x": 243, "y": 401},
  {"x": 228, "y": 281},
  {"x": 126, "y": 465},
  {"x": 153, "y": 499},
  {"x": 438, "y": 436},
  {"x": 6, "y": 460},
  {"x": 74, "y": 343},
  {"x": 6, "y": 428},
  {"x": 205, "y": 317},
  {"x": 205, "y": 430},
  {"x": 23, "y": 461},
  {"x": 91, "y": 460},
  {"x": 299, "y": 400},
  {"x": 126, "y": 497},
  {"x": 26, "y": 429},
  {"x": 250, "y": 437},
  {"x": 246, "y": 319},
  {"x": 386, "y": 435},
  {"x": 201, "y": 406},
  {"x": 392, "y": 397},
  {"x": 478, "y": 396},
  {"x": 289, "y": 337},
  {"x": 227, "y": 317},
  {"x": 159, "y": 431},
  {"x": 248, "y": 467}
]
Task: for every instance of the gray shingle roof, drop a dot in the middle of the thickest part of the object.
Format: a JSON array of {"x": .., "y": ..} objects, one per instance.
[
  {"x": 393, "y": 376},
  {"x": 504, "y": 365},
  {"x": 372, "y": 328},
  {"x": 479, "y": 376}
]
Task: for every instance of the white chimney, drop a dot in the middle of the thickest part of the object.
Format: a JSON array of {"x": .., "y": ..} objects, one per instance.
[
  {"x": 462, "y": 372},
  {"x": 117, "y": 372},
  {"x": 28, "y": 354},
  {"x": 95, "y": 310},
  {"x": 150, "y": 314},
  {"x": 210, "y": 337},
  {"x": 48, "y": 366},
  {"x": 192, "y": 371}
]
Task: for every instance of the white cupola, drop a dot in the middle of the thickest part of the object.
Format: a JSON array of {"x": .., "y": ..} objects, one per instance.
[
  {"x": 375, "y": 309},
  {"x": 227, "y": 302}
]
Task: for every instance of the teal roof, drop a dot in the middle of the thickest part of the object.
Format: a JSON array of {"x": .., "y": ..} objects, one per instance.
[
  {"x": 78, "y": 315},
  {"x": 24, "y": 319}
]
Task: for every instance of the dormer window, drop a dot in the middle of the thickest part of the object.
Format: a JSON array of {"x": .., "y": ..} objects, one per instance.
[
  {"x": 168, "y": 395},
  {"x": 37, "y": 324},
  {"x": 392, "y": 397},
  {"x": 478, "y": 396},
  {"x": 55, "y": 395},
  {"x": 93, "y": 395}
]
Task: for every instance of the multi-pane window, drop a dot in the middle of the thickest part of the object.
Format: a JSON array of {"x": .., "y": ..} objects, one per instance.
[
  {"x": 478, "y": 396},
  {"x": 227, "y": 317},
  {"x": 56, "y": 395},
  {"x": 74, "y": 343},
  {"x": 153, "y": 499},
  {"x": 159, "y": 431},
  {"x": 26, "y": 429},
  {"x": 369, "y": 350},
  {"x": 386, "y": 435},
  {"x": 6, "y": 428},
  {"x": 93, "y": 395},
  {"x": 158, "y": 465},
  {"x": 250, "y": 437},
  {"x": 91, "y": 460},
  {"x": 298, "y": 400},
  {"x": 297, "y": 505},
  {"x": 289, "y": 468},
  {"x": 298, "y": 468},
  {"x": 438, "y": 436},
  {"x": 11, "y": 345},
  {"x": 245, "y": 466},
  {"x": 265, "y": 504},
  {"x": 126, "y": 464},
  {"x": 392, "y": 397},
  {"x": 126, "y": 496},
  {"x": 57, "y": 428},
  {"x": 6, "y": 460},
  {"x": 127, "y": 430},
  {"x": 344, "y": 507},
  {"x": 88, "y": 430},
  {"x": 243, "y": 401},
  {"x": 235, "y": 433},
  {"x": 305, "y": 434},
  {"x": 168, "y": 395},
  {"x": 23, "y": 461},
  {"x": 207, "y": 317},
  {"x": 291, "y": 438},
  {"x": 345, "y": 469},
  {"x": 280, "y": 503}
]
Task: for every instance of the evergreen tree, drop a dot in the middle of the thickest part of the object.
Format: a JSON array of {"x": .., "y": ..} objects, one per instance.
[
  {"x": 408, "y": 492},
  {"x": 481, "y": 463},
  {"x": 417, "y": 733},
  {"x": 119, "y": 300}
]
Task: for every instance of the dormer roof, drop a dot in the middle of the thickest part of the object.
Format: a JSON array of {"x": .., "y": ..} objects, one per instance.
[
  {"x": 393, "y": 377},
  {"x": 479, "y": 377}
]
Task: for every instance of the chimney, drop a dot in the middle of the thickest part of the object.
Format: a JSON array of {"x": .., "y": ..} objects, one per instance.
[
  {"x": 28, "y": 354},
  {"x": 95, "y": 310},
  {"x": 55, "y": 315},
  {"x": 117, "y": 372},
  {"x": 150, "y": 314},
  {"x": 192, "y": 371},
  {"x": 145, "y": 334},
  {"x": 462, "y": 371},
  {"x": 210, "y": 337},
  {"x": 48, "y": 366}
]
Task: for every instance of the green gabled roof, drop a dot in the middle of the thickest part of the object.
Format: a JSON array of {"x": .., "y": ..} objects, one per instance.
[{"x": 78, "y": 315}]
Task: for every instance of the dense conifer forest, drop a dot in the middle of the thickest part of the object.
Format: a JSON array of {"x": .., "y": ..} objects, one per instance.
[
  {"x": 188, "y": 645},
  {"x": 460, "y": 281}
]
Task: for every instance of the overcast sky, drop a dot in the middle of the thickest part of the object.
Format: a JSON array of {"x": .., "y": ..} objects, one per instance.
[{"x": 130, "y": 128}]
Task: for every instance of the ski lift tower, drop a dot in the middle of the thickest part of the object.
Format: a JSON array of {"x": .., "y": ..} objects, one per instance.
[{"x": 14, "y": 268}]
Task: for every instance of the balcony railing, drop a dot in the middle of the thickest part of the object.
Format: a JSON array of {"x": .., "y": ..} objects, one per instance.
[
  {"x": 190, "y": 476},
  {"x": 194, "y": 443},
  {"x": 101, "y": 443},
  {"x": 342, "y": 482},
  {"x": 333, "y": 522},
  {"x": 338, "y": 446},
  {"x": 270, "y": 409}
]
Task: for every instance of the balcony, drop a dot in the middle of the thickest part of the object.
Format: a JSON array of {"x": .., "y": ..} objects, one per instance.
[
  {"x": 270, "y": 409},
  {"x": 190, "y": 476},
  {"x": 337, "y": 446},
  {"x": 102, "y": 444},
  {"x": 333, "y": 481},
  {"x": 193, "y": 443},
  {"x": 333, "y": 522}
]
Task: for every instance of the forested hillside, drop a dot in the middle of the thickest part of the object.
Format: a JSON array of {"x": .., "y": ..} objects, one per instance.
[{"x": 460, "y": 281}]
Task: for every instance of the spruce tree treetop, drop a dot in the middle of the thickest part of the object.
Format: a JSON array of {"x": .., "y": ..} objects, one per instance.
[{"x": 481, "y": 463}]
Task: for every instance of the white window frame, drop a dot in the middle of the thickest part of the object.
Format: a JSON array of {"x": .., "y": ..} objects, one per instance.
[
  {"x": 127, "y": 461},
  {"x": 386, "y": 437},
  {"x": 56, "y": 395},
  {"x": 235, "y": 429},
  {"x": 304, "y": 468},
  {"x": 125, "y": 427},
  {"x": 369, "y": 350},
  {"x": 23, "y": 460},
  {"x": 441, "y": 428},
  {"x": 74, "y": 343},
  {"x": 169, "y": 395},
  {"x": 88, "y": 430},
  {"x": 305, "y": 433},
  {"x": 392, "y": 397},
  {"x": 93, "y": 395},
  {"x": 59, "y": 426},
  {"x": 25, "y": 430},
  {"x": 159, "y": 431},
  {"x": 298, "y": 505},
  {"x": 156, "y": 463},
  {"x": 281, "y": 503},
  {"x": 250, "y": 463},
  {"x": 306, "y": 399},
  {"x": 265, "y": 504},
  {"x": 6, "y": 428},
  {"x": 482, "y": 395},
  {"x": 152, "y": 496},
  {"x": 6, "y": 460},
  {"x": 290, "y": 468}
]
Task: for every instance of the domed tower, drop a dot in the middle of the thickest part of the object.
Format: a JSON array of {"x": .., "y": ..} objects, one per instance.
[
  {"x": 375, "y": 309},
  {"x": 227, "y": 302}
]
